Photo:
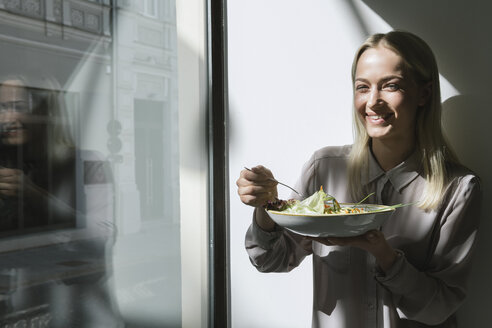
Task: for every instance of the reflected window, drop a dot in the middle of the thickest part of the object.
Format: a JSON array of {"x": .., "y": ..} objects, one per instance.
[{"x": 150, "y": 8}]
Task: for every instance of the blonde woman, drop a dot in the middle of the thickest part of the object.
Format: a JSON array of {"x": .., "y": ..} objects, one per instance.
[
  {"x": 34, "y": 144},
  {"x": 60, "y": 196},
  {"x": 412, "y": 272}
]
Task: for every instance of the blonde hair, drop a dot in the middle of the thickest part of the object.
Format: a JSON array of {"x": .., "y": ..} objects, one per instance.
[{"x": 430, "y": 142}]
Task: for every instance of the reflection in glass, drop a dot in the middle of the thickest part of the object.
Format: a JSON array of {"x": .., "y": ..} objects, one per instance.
[
  {"x": 34, "y": 144},
  {"x": 48, "y": 185},
  {"x": 89, "y": 164}
]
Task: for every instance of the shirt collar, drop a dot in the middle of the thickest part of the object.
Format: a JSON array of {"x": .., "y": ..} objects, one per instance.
[{"x": 399, "y": 176}]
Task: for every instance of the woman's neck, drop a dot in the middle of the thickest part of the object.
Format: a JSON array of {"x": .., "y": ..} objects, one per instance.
[{"x": 391, "y": 153}]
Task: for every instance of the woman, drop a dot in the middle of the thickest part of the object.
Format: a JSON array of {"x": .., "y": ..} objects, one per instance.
[
  {"x": 412, "y": 272},
  {"x": 34, "y": 144},
  {"x": 55, "y": 196}
]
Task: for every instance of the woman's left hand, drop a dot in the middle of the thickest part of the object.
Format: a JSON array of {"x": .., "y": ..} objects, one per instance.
[
  {"x": 14, "y": 182},
  {"x": 372, "y": 241}
]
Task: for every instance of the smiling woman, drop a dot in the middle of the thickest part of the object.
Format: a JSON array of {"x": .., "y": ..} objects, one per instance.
[
  {"x": 33, "y": 130},
  {"x": 411, "y": 272},
  {"x": 399, "y": 108},
  {"x": 15, "y": 104},
  {"x": 386, "y": 98}
]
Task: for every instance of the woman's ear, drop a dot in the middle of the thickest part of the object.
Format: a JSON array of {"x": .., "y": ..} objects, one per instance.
[{"x": 425, "y": 94}]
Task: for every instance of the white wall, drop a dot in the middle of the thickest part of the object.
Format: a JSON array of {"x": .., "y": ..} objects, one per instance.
[{"x": 290, "y": 94}]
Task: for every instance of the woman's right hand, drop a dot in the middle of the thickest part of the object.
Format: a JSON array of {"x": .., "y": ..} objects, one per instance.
[
  {"x": 256, "y": 187},
  {"x": 14, "y": 183}
]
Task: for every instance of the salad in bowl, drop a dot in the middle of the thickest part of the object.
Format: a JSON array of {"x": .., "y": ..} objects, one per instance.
[{"x": 321, "y": 215}]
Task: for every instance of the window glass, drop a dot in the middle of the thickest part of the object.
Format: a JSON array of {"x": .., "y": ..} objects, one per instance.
[{"x": 92, "y": 175}]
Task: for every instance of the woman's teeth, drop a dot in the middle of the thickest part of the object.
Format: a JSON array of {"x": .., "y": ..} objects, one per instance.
[{"x": 379, "y": 117}]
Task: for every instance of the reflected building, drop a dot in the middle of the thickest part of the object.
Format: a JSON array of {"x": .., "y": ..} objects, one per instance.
[
  {"x": 123, "y": 73},
  {"x": 146, "y": 95},
  {"x": 115, "y": 65}
]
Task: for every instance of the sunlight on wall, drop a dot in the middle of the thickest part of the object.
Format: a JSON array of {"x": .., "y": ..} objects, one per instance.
[{"x": 372, "y": 23}]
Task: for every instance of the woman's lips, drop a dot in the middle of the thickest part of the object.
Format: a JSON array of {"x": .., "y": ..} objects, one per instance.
[
  {"x": 10, "y": 132},
  {"x": 379, "y": 118}
]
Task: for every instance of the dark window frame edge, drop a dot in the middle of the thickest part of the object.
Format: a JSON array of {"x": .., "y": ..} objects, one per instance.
[{"x": 219, "y": 270}]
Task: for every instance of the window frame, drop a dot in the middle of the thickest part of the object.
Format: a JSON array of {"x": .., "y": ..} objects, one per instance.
[{"x": 219, "y": 292}]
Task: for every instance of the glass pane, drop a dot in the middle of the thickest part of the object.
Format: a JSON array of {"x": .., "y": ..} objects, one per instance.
[{"x": 93, "y": 167}]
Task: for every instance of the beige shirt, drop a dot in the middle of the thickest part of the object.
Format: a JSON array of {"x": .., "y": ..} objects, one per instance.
[{"x": 427, "y": 283}]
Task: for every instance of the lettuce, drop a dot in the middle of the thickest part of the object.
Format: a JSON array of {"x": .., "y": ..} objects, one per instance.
[{"x": 314, "y": 204}]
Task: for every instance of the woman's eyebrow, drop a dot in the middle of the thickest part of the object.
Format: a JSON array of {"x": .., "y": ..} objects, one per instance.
[
  {"x": 384, "y": 79},
  {"x": 391, "y": 77}
]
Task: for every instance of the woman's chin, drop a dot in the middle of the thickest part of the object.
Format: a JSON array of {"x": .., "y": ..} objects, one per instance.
[
  {"x": 378, "y": 133},
  {"x": 14, "y": 141}
]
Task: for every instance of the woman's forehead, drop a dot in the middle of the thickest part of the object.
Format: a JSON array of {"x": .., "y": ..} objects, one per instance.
[{"x": 379, "y": 59}]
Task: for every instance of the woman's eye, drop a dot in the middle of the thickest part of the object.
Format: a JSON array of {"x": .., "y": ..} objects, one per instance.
[
  {"x": 392, "y": 86},
  {"x": 361, "y": 87}
]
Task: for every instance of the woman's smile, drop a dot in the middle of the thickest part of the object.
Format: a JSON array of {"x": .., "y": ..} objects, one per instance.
[
  {"x": 13, "y": 131},
  {"x": 379, "y": 119},
  {"x": 385, "y": 96}
]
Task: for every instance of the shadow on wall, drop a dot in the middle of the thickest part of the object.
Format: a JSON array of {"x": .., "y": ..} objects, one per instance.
[
  {"x": 458, "y": 32},
  {"x": 466, "y": 121}
]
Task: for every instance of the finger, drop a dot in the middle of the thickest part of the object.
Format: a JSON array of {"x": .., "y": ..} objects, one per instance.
[
  {"x": 4, "y": 172},
  {"x": 10, "y": 179},
  {"x": 8, "y": 186},
  {"x": 374, "y": 236},
  {"x": 256, "y": 200},
  {"x": 8, "y": 193},
  {"x": 10, "y": 170},
  {"x": 252, "y": 181},
  {"x": 322, "y": 240},
  {"x": 258, "y": 178},
  {"x": 365, "y": 241},
  {"x": 258, "y": 169},
  {"x": 340, "y": 241},
  {"x": 8, "y": 190},
  {"x": 261, "y": 170},
  {"x": 255, "y": 190},
  {"x": 246, "y": 181}
]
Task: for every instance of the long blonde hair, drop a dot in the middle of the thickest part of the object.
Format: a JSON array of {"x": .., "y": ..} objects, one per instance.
[{"x": 430, "y": 142}]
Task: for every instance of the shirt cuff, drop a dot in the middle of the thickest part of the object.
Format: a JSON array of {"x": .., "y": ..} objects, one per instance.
[
  {"x": 402, "y": 278},
  {"x": 394, "y": 271},
  {"x": 265, "y": 239}
]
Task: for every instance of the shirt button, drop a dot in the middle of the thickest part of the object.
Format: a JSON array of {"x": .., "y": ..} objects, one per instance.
[{"x": 370, "y": 305}]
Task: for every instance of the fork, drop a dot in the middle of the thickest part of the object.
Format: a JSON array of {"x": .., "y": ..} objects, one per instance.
[{"x": 280, "y": 183}]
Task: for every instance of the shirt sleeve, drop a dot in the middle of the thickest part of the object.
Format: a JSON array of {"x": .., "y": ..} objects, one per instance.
[
  {"x": 432, "y": 295},
  {"x": 280, "y": 250},
  {"x": 276, "y": 251}
]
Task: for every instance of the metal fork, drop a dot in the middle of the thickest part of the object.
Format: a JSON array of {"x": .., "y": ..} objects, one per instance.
[{"x": 280, "y": 183}]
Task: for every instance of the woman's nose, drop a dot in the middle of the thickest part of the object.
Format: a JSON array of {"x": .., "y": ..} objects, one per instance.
[
  {"x": 374, "y": 98},
  {"x": 8, "y": 115}
]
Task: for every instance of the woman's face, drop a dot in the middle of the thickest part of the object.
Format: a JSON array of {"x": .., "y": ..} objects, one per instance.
[
  {"x": 14, "y": 110},
  {"x": 386, "y": 97}
]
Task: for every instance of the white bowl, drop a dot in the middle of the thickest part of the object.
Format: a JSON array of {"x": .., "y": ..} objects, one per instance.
[{"x": 334, "y": 225}]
